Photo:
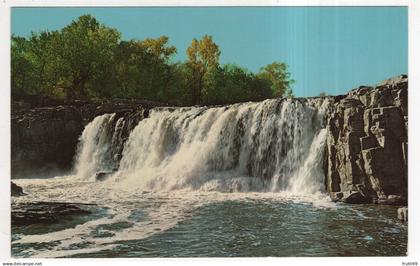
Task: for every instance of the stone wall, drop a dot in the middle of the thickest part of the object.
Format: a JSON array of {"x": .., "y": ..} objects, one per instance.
[{"x": 366, "y": 151}]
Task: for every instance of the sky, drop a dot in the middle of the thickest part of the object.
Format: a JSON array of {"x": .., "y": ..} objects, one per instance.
[{"x": 327, "y": 49}]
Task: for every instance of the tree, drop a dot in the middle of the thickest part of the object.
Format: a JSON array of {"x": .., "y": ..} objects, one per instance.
[
  {"x": 85, "y": 57},
  {"x": 143, "y": 68},
  {"x": 41, "y": 52},
  {"x": 227, "y": 84},
  {"x": 278, "y": 76},
  {"x": 157, "y": 61},
  {"x": 202, "y": 56},
  {"x": 21, "y": 66}
]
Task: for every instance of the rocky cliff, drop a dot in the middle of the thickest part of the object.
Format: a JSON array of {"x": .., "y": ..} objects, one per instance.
[
  {"x": 44, "y": 138},
  {"x": 366, "y": 151}
]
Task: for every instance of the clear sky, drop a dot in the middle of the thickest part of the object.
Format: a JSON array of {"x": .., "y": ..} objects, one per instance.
[{"x": 330, "y": 49}]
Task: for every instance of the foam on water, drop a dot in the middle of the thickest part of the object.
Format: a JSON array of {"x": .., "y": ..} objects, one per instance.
[{"x": 160, "y": 211}]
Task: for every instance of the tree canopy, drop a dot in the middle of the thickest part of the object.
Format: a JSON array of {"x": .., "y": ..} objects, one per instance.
[
  {"x": 203, "y": 55},
  {"x": 88, "y": 60}
]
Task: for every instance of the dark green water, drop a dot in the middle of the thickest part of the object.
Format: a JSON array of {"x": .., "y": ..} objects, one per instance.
[
  {"x": 210, "y": 225},
  {"x": 258, "y": 228}
]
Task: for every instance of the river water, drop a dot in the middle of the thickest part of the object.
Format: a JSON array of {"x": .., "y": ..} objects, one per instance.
[{"x": 242, "y": 180}]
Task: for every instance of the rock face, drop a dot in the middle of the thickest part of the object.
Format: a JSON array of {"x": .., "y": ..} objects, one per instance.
[
  {"x": 366, "y": 151},
  {"x": 44, "y": 138}
]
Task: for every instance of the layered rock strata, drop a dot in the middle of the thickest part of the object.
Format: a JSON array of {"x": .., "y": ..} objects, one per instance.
[{"x": 366, "y": 151}]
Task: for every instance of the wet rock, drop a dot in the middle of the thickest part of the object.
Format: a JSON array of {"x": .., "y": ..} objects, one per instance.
[
  {"x": 100, "y": 176},
  {"x": 16, "y": 190},
  {"x": 367, "y": 143},
  {"x": 402, "y": 214},
  {"x": 356, "y": 198},
  {"x": 395, "y": 200},
  {"x": 46, "y": 212}
]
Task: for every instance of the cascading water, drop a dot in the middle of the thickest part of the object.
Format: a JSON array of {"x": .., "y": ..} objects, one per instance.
[
  {"x": 267, "y": 146},
  {"x": 97, "y": 146}
]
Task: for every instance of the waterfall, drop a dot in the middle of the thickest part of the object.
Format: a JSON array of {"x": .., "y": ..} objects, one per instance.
[
  {"x": 273, "y": 145},
  {"x": 95, "y": 147}
]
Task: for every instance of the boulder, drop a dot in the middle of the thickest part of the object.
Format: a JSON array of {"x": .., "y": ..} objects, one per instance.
[
  {"x": 100, "y": 176},
  {"x": 356, "y": 198},
  {"x": 395, "y": 200},
  {"x": 402, "y": 214},
  {"x": 16, "y": 190}
]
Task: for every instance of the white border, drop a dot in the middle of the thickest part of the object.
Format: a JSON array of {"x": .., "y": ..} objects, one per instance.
[
  {"x": 4, "y": 131},
  {"x": 414, "y": 129},
  {"x": 209, "y": 3}
]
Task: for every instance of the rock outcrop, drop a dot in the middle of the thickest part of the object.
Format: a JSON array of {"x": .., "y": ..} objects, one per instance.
[
  {"x": 46, "y": 212},
  {"x": 366, "y": 151},
  {"x": 16, "y": 190},
  {"x": 402, "y": 214}
]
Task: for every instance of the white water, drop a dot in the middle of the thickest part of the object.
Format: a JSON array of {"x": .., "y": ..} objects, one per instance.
[
  {"x": 94, "y": 147},
  {"x": 180, "y": 159},
  {"x": 268, "y": 146}
]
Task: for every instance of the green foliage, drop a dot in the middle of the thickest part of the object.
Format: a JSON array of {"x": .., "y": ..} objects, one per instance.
[
  {"x": 203, "y": 57},
  {"x": 232, "y": 84},
  {"x": 22, "y": 78},
  {"x": 143, "y": 69},
  {"x": 86, "y": 59},
  {"x": 280, "y": 82},
  {"x": 85, "y": 54}
]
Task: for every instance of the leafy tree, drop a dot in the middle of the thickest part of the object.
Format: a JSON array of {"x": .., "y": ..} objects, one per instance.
[
  {"x": 159, "y": 72},
  {"x": 143, "y": 68},
  {"x": 85, "y": 57},
  {"x": 276, "y": 73},
  {"x": 202, "y": 56},
  {"x": 21, "y": 66},
  {"x": 180, "y": 84},
  {"x": 41, "y": 52},
  {"x": 231, "y": 84}
]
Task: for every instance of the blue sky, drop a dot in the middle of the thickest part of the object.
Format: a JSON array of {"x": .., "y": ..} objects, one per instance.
[{"x": 330, "y": 49}]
